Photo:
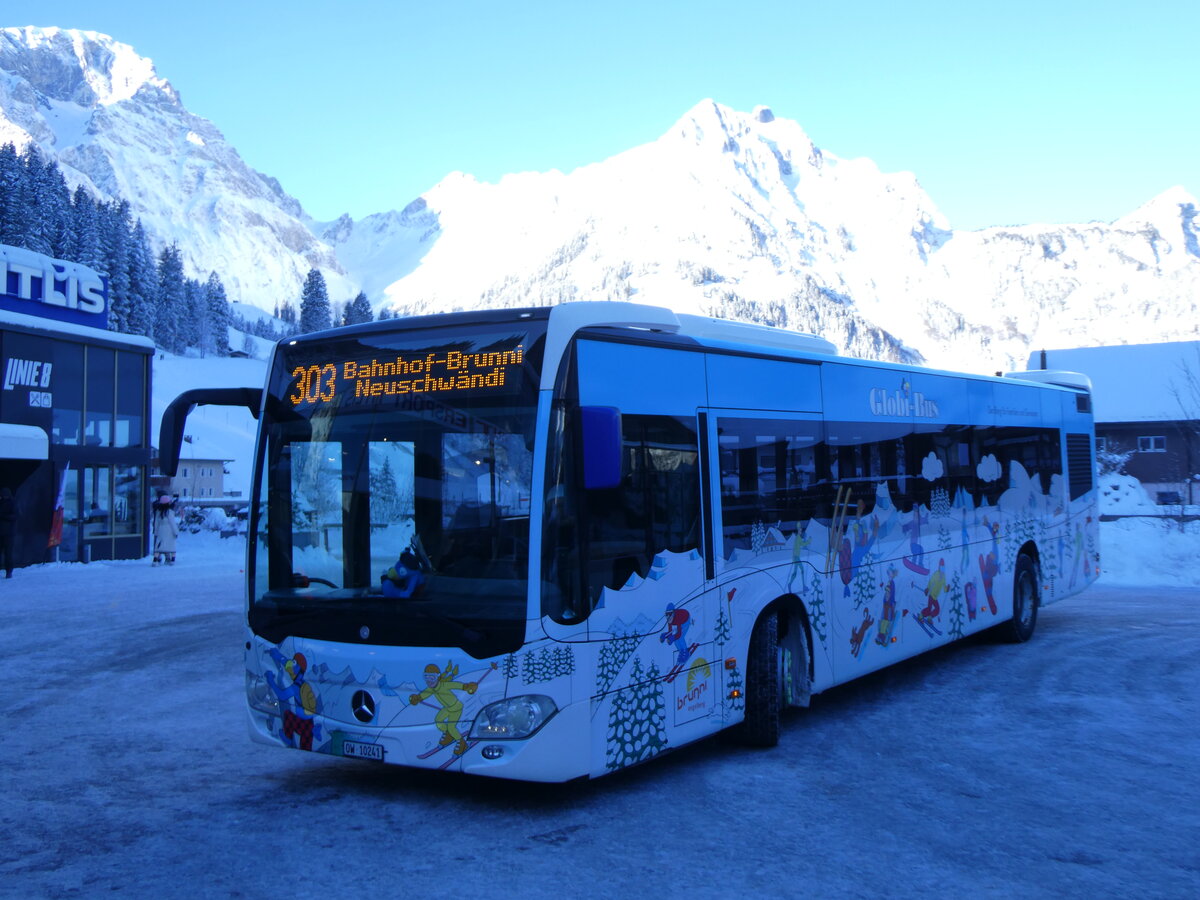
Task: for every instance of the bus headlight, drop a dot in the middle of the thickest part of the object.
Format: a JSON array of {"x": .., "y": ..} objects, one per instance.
[
  {"x": 260, "y": 696},
  {"x": 513, "y": 719}
]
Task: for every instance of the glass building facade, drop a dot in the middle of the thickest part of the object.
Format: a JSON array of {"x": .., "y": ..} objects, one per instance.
[{"x": 88, "y": 391}]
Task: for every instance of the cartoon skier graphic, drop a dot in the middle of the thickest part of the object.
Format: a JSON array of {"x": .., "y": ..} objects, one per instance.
[
  {"x": 933, "y": 609},
  {"x": 989, "y": 566},
  {"x": 441, "y": 686},
  {"x": 800, "y": 543},
  {"x": 298, "y": 721},
  {"x": 679, "y": 623},
  {"x": 853, "y": 553},
  {"x": 887, "y": 617},
  {"x": 916, "y": 558}
]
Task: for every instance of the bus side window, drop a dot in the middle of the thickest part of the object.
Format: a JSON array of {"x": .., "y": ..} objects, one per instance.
[
  {"x": 603, "y": 537},
  {"x": 773, "y": 481},
  {"x": 655, "y": 508}
]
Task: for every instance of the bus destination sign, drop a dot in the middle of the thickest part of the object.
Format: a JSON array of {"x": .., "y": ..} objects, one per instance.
[{"x": 428, "y": 373}]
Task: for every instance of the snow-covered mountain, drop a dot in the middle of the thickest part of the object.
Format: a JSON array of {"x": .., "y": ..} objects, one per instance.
[
  {"x": 101, "y": 111},
  {"x": 741, "y": 215},
  {"x": 734, "y": 214}
]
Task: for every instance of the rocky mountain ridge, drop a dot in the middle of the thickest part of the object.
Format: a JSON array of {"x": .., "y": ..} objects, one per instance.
[{"x": 733, "y": 214}]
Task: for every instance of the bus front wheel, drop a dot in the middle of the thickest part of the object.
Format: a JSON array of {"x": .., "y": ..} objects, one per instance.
[
  {"x": 764, "y": 685},
  {"x": 1025, "y": 601}
]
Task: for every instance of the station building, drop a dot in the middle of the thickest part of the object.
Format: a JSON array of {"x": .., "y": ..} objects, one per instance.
[{"x": 74, "y": 415}]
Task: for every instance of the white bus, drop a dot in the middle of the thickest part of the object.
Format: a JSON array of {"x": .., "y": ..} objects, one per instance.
[{"x": 551, "y": 543}]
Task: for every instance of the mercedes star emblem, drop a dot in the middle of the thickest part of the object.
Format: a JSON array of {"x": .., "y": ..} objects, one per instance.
[{"x": 363, "y": 706}]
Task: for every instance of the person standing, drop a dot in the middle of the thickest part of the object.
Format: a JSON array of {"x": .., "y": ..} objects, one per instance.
[
  {"x": 8, "y": 529},
  {"x": 166, "y": 530}
]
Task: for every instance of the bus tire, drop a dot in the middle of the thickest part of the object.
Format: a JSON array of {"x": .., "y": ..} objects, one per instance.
[
  {"x": 1026, "y": 600},
  {"x": 764, "y": 685}
]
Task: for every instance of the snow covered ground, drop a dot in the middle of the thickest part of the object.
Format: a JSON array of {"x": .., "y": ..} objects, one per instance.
[{"x": 1063, "y": 767}]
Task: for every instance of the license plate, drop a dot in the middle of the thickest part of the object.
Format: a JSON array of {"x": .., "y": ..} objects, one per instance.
[{"x": 362, "y": 751}]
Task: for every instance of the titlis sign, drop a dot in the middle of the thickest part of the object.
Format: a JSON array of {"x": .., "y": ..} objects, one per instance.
[
  {"x": 37, "y": 285},
  {"x": 903, "y": 403}
]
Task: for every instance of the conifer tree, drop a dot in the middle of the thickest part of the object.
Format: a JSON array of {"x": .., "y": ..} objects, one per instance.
[
  {"x": 33, "y": 209},
  {"x": 358, "y": 310},
  {"x": 171, "y": 301},
  {"x": 11, "y": 179},
  {"x": 219, "y": 314},
  {"x": 143, "y": 283},
  {"x": 314, "y": 303},
  {"x": 194, "y": 327},
  {"x": 86, "y": 245},
  {"x": 115, "y": 241},
  {"x": 55, "y": 201}
]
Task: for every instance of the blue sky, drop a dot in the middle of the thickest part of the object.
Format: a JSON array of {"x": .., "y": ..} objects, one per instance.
[{"x": 1008, "y": 113}]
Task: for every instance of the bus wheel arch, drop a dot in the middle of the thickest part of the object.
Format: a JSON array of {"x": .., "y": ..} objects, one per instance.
[
  {"x": 1026, "y": 596},
  {"x": 778, "y": 670}
]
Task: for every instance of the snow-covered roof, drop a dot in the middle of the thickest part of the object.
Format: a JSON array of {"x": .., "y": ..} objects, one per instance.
[
  {"x": 1134, "y": 382},
  {"x": 23, "y": 442},
  {"x": 70, "y": 329}
]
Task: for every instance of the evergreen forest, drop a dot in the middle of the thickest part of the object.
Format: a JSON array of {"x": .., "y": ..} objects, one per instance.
[{"x": 148, "y": 293}]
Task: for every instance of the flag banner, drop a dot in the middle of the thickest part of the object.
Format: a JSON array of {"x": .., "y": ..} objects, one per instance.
[{"x": 56, "y": 522}]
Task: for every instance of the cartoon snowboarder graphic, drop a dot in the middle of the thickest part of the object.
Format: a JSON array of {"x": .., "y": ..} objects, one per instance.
[
  {"x": 440, "y": 685},
  {"x": 297, "y": 720},
  {"x": 969, "y": 592},
  {"x": 887, "y": 616}
]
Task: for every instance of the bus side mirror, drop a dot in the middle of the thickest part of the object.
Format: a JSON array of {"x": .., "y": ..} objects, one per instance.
[
  {"x": 170, "y": 431},
  {"x": 602, "y": 449}
]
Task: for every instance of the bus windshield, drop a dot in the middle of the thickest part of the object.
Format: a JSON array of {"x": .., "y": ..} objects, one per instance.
[{"x": 393, "y": 488}]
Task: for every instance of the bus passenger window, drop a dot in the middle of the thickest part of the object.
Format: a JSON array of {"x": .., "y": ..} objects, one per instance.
[
  {"x": 772, "y": 480},
  {"x": 604, "y": 537}
]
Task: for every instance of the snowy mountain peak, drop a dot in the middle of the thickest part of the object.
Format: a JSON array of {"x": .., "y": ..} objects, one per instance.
[
  {"x": 100, "y": 111},
  {"x": 82, "y": 67},
  {"x": 1173, "y": 217}
]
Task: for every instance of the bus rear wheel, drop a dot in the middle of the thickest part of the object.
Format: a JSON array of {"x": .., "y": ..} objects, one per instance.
[
  {"x": 764, "y": 685},
  {"x": 1026, "y": 600}
]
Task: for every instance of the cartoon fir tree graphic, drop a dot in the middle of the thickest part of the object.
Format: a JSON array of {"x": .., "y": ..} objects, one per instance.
[
  {"x": 531, "y": 669},
  {"x": 637, "y": 719},
  {"x": 939, "y": 504},
  {"x": 509, "y": 667},
  {"x": 943, "y": 538},
  {"x": 735, "y": 699},
  {"x": 722, "y": 630},
  {"x": 864, "y": 582},
  {"x": 564, "y": 661},
  {"x": 652, "y": 711},
  {"x": 613, "y": 655},
  {"x": 956, "y": 607},
  {"x": 816, "y": 607}
]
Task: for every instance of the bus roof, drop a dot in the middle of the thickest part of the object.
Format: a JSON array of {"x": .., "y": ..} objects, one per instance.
[{"x": 567, "y": 319}]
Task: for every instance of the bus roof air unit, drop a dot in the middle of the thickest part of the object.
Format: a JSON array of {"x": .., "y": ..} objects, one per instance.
[{"x": 1075, "y": 380}]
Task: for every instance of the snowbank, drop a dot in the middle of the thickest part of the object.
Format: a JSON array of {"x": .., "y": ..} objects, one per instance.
[
  {"x": 1150, "y": 551},
  {"x": 1123, "y": 495}
]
